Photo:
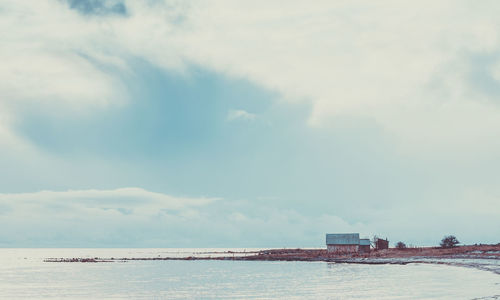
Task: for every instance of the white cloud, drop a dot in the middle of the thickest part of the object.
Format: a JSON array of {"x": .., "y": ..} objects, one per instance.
[
  {"x": 124, "y": 216},
  {"x": 407, "y": 67},
  {"x": 240, "y": 115},
  {"x": 135, "y": 217},
  {"x": 101, "y": 202},
  {"x": 376, "y": 61},
  {"x": 44, "y": 48}
]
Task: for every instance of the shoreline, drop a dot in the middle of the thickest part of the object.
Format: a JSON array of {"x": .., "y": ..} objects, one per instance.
[{"x": 482, "y": 257}]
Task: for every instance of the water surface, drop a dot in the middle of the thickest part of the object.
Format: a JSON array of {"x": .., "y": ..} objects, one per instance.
[{"x": 24, "y": 275}]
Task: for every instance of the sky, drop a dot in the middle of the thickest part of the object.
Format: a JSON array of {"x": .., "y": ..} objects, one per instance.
[{"x": 248, "y": 123}]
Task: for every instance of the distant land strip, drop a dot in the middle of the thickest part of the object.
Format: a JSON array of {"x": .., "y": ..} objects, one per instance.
[{"x": 483, "y": 257}]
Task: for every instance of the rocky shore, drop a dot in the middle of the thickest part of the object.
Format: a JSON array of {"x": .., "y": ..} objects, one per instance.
[{"x": 484, "y": 257}]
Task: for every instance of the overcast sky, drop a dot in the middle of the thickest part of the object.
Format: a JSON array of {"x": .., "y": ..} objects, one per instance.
[{"x": 248, "y": 123}]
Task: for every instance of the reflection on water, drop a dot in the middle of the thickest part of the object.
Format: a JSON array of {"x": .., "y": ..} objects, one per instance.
[{"x": 23, "y": 274}]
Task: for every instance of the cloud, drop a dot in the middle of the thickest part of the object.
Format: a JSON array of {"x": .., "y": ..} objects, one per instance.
[
  {"x": 46, "y": 57},
  {"x": 137, "y": 217},
  {"x": 424, "y": 77},
  {"x": 71, "y": 63},
  {"x": 414, "y": 78},
  {"x": 240, "y": 114},
  {"x": 137, "y": 199},
  {"x": 377, "y": 61},
  {"x": 92, "y": 217},
  {"x": 134, "y": 217}
]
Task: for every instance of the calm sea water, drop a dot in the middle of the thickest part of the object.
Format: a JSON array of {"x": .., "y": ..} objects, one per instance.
[{"x": 24, "y": 275}]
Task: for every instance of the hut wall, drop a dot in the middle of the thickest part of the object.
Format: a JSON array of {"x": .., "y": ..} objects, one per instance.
[
  {"x": 342, "y": 248},
  {"x": 364, "y": 248}
]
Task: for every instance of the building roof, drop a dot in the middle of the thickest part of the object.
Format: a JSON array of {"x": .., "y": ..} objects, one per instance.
[
  {"x": 364, "y": 242},
  {"x": 342, "y": 239}
]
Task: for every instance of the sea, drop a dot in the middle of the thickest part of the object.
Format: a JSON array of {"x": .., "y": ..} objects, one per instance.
[{"x": 25, "y": 275}]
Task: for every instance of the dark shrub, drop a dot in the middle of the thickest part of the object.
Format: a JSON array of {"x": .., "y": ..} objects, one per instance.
[
  {"x": 400, "y": 245},
  {"x": 449, "y": 241}
]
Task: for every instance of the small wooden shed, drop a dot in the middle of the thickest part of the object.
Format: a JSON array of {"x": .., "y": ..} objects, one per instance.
[
  {"x": 381, "y": 244},
  {"x": 342, "y": 242},
  {"x": 364, "y": 245}
]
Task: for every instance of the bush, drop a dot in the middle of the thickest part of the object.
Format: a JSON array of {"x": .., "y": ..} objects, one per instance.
[
  {"x": 449, "y": 241},
  {"x": 400, "y": 245}
]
